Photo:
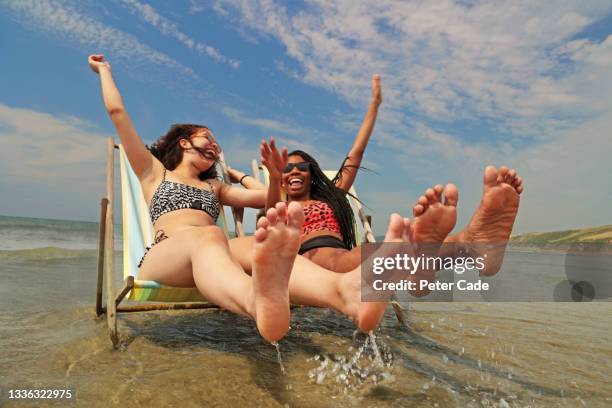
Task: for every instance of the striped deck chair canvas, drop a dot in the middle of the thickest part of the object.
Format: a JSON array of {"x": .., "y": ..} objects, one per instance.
[{"x": 138, "y": 234}]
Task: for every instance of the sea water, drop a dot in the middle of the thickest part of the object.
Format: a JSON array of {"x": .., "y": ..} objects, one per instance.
[{"x": 449, "y": 354}]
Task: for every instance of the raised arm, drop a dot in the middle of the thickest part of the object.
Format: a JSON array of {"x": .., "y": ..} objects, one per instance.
[
  {"x": 355, "y": 155},
  {"x": 256, "y": 197},
  {"x": 145, "y": 165},
  {"x": 248, "y": 182}
]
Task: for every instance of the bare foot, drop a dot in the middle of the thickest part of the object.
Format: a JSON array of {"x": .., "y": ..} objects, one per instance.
[
  {"x": 367, "y": 315},
  {"x": 277, "y": 241},
  {"x": 434, "y": 220},
  {"x": 492, "y": 222}
]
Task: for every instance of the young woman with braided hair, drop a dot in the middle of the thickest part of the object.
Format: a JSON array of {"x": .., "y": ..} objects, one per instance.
[{"x": 328, "y": 235}]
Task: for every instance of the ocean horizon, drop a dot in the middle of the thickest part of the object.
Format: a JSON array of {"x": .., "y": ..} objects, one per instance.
[{"x": 449, "y": 353}]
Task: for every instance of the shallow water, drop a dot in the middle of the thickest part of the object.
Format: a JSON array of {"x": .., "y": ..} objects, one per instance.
[{"x": 449, "y": 355}]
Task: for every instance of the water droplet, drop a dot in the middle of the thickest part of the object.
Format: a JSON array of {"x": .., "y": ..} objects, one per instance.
[{"x": 278, "y": 356}]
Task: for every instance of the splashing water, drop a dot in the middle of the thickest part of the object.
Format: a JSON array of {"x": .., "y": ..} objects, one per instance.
[
  {"x": 370, "y": 364},
  {"x": 278, "y": 356}
]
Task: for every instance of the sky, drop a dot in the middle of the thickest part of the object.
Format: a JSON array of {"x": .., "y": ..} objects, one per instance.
[{"x": 465, "y": 84}]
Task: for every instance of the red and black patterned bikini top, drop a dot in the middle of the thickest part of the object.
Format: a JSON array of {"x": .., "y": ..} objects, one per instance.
[{"x": 319, "y": 217}]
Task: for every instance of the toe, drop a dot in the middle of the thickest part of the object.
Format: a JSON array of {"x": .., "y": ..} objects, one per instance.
[
  {"x": 490, "y": 176},
  {"x": 263, "y": 222},
  {"x": 295, "y": 215},
  {"x": 511, "y": 176},
  {"x": 272, "y": 216},
  {"x": 260, "y": 234},
  {"x": 519, "y": 189},
  {"x": 438, "y": 189},
  {"x": 424, "y": 202},
  {"x": 418, "y": 210},
  {"x": 502, "y": 174},
  {"x": 409, "y": 231},
  {"x": 431, "y": 195},
  {"x": 406, "y": 229},
  {"x": 396, "y": 227},
  {"x": 281, "y": 210},
  {"x": 451, "y": 195}
]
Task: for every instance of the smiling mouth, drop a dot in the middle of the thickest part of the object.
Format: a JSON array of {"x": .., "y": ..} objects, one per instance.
[
  {"x": 210, "y": 154},
  {"x": 295, "y": 182}
]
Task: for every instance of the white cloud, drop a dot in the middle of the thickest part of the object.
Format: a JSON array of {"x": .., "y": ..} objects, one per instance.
[
  {"x": 271, "y": 126},
  {"x": 170, "y": 28},
  {"x": 519, "y": 69},
  {"x": 443, "y": 59},
  {"x": 290, "y": 135},
  {"x": 60, "y": 18},
  {"x": 44, "y": 158}
]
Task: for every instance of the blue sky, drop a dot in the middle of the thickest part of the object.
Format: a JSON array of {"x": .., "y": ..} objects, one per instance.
[{"x": 465, "y": 84}]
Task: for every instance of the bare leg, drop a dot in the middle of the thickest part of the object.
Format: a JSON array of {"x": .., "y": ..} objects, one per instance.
[
  {"x": 200, "y": 257},
  {"x": 312, "y": 285},
  {"x": 336, "y": 259},
  {"x": 333, "y": 259},
  {"x": 367, "y": 315},
  {"x": 242, "y": 251}
]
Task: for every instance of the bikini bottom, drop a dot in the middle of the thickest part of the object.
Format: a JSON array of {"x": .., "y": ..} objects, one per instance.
[
  {"x": 324, "y": 241},
  {"x": 159, "y": 237}
]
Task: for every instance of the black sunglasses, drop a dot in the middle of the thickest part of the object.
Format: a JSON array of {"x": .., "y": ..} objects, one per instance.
[{"x": 301, "y": 166}]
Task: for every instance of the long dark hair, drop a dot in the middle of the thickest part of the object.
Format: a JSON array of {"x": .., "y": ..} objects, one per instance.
[
  {"x": 324, "y": 189},
  {"x": 168, "y": 150}
]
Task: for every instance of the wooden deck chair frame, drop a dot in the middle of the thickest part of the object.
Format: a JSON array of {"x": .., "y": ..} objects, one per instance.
[
  {"x": 106, "y": 266},
  {"x": 366, "y": 221}
]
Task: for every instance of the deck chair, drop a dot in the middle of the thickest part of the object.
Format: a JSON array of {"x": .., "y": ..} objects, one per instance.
[
  {"x": 363, "y": 229},
  {"x": 137, "y": 235}
]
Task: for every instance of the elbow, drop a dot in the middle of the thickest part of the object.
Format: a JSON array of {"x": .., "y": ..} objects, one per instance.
[{"x": 115, "y": 111}]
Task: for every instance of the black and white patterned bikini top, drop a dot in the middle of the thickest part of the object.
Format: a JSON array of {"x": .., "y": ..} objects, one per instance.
[{"x": 172, "y": 196}]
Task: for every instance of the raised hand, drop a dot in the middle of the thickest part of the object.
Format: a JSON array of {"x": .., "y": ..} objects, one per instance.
[
  {"x": 274, "y": 160},
  {"x": 96, "y": 61},
  {"x": 376, "y": 92}
]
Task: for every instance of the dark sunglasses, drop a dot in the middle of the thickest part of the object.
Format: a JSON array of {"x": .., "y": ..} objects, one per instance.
[{"x": 301, "y": 166}]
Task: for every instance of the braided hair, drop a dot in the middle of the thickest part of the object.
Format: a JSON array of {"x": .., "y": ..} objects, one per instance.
[
  {"x": 168, "y": 150},
  {"x": 324, "y": 189}
]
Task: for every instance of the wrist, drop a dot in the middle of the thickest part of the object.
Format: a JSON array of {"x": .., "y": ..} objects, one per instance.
[
  {"x": 104, "y": 67},
  {"x": 244, "y": 175}
]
